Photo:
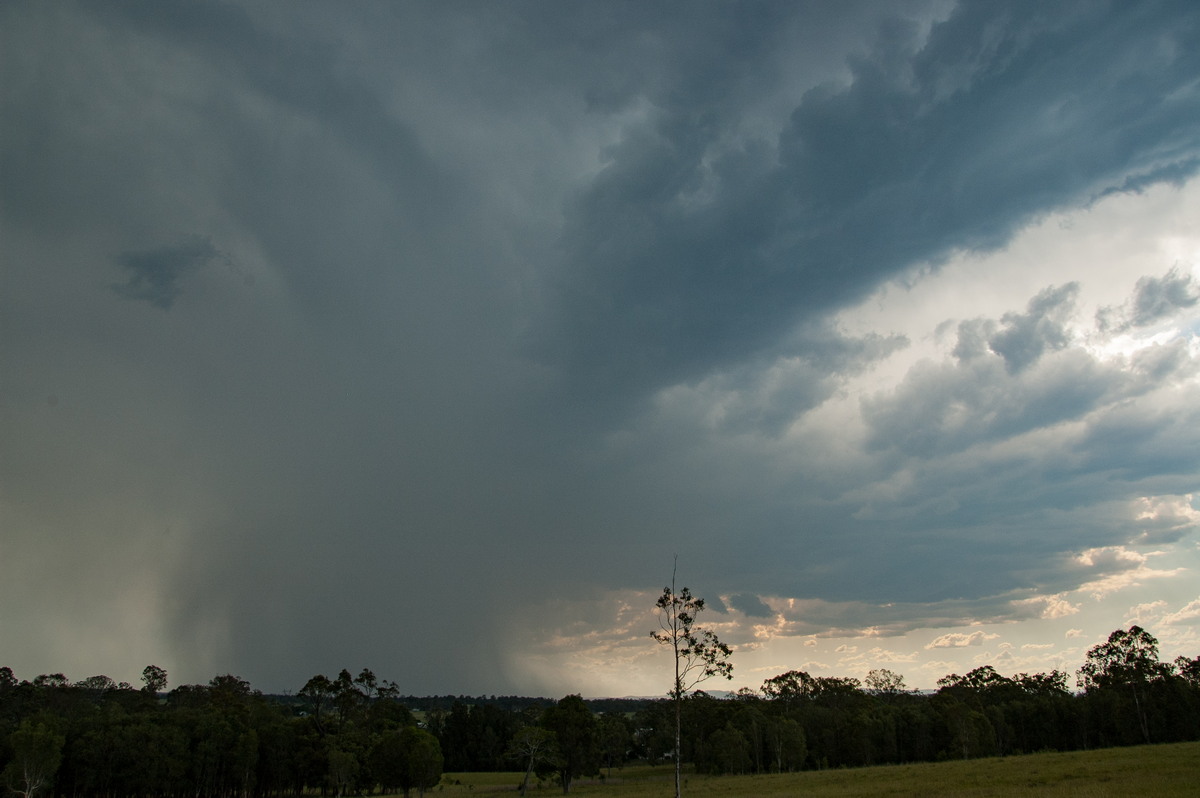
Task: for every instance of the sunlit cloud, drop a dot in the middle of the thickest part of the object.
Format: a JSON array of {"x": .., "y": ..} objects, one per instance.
[
  {"x": 1127, "y": 569},
  {"x": 1166, "y": 519},
  {"x": 1187, "y": 614},
  {"x": 1050, "y": 607},
  {"x": 959, "y": 640}
]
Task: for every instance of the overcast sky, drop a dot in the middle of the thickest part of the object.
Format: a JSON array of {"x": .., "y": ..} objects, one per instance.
[{"x": 422, "y": 337}]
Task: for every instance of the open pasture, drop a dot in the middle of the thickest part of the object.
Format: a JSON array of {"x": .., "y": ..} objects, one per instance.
[{"x": 1158, "y": 770}]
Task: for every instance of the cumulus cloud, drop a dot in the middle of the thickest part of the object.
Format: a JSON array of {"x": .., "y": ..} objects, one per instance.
[
  {"x": 1188, "y": 614},
  {"x": 1166, "y": 519},
  {"x": 1154, "y": 299},
  {"x": 960, "y": 640},
  {"x": 1024, "y": 337},
  {"x": 1050, "y": 607},
  {"x": 1145, "y": 614},
  {"x": 979, "y": 397},
  {"x": 1110, "y": 558}
]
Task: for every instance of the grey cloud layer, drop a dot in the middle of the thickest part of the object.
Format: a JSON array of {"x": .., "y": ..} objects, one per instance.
[{"x": 431, "y": 304}]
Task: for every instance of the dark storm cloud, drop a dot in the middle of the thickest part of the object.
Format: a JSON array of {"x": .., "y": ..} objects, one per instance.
[
  {"x": 750, "y": 605},
  {"x": 530, "y": 297},
  {"x": 695, "y": 246},
  {"x": 155, "y": 275}
]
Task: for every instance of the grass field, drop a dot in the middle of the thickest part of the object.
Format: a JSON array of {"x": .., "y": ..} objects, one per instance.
[{"x": 1158, "y": 770}]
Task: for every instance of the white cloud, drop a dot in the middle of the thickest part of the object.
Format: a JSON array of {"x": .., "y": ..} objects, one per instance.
[
  {"x": 1187, "y": 614},
  {"x": 1051, "y": 607},
  {"x": 1131, "y": 571},
  {"x": 1111, "y": 557},
  {"x": 959, "y": 640},
  {"x": 1145, "y": 614},
  {"x": 1165, "y": 519}
]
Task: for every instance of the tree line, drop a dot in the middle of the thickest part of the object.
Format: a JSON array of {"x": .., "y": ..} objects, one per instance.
[{"x": 356, "y": 735}]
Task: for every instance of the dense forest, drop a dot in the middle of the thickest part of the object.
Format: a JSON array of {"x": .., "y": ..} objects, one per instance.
[{"x": 349, "y": 735}]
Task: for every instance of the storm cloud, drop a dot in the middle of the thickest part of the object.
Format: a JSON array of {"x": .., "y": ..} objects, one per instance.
[{"x": 422, "y": 337}]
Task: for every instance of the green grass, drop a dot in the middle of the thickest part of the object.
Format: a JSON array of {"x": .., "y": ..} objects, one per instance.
[{"x": 1158, "y": 770}]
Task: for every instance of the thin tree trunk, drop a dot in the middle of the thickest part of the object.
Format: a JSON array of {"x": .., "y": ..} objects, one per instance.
[
  {"x": 678, "y": 708},
  {"x": 678, "y": 752}
]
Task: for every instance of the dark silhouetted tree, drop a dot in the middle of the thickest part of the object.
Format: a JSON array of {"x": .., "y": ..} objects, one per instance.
[
  {"x": 697, "y": 653},
  {"x": 154, "y": 679},
  {"x": 575, "y": 733},
  {"x": 883, "y": 682},
  {"x": 1128, "y": 660}
]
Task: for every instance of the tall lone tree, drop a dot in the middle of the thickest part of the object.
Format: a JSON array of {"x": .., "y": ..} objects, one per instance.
[{"x": 698, "y": 654}]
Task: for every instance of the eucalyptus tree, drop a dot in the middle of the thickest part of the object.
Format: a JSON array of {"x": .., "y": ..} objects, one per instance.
[
  {"x": 154, "y": 679},
  {"x": 532, "y": 746},
  {"x": 1128, "y": 659},
  {"x": 697, "y": 653},
  {"x": 576, "y": 736},
  {"x": 408, "y": 758},
  {"x": 36, "y": 754},
  {"x": 883, "y": 682}
]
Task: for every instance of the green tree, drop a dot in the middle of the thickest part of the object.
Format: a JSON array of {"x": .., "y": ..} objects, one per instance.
[
  {"x": 883, "y": 682},
  {"x": 1189, "y": 670},
  {"x": 423, "y": 760},
  {"x": 348, "y": 698},
  {"x": 1128, "y": 660},
  {"x": 409, "y": 758},
  {"x": 788, "y": 745},
  {"x": 533, "y": 746},
  {"x": 318, "y": 694},
  {"x": 154, "y": 679},
  {"x": 575, "y": 731},
  {"x": 343, "y": 770},
  {"x": 789, "y": 689},
  {"x": 697, "y": 653},
  {"x": 97, "y": 685},
  {"x": 614, "y": 739},
  {"x": 729, "y": 750},
  {"x": 36, "y": 755}
]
